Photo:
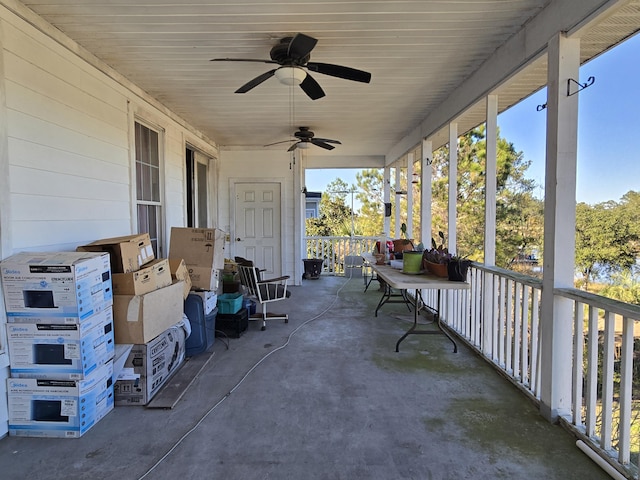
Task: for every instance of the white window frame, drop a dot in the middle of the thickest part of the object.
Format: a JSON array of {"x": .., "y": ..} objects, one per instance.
[
  {"x": 193, "y": 185},
  {"x": 158, "y": 239}
]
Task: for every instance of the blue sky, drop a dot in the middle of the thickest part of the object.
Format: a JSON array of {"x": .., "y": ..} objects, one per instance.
[{"x": 608, "y": 130}]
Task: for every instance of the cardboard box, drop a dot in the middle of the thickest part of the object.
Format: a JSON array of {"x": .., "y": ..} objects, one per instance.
[
  {"x": 209, "y": 300},
  {"x": 60, "y": 352},
  {"x": 203, "y": 278},
  {"x": 179, "y": 271},
  {"x": 128, "y": 253},
  {"x": 150, "y": 277},
  {"x": 149, "y": 366},
  {"x": 199, "y": 247},
  {"x": 59, "y": 408},
  {"x": 56, "y": 287},
  {"x": 138, "y": 319}
]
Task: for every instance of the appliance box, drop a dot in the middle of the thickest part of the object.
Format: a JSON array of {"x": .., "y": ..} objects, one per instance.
[
  {"x": 152, "y": 364},
  {"x": 179, "y": 271},
  {"x": 150, "y": 277},
  {"x": 138, "y": 319},
  {"x": 128, "y": 253},
  {"x": 56, "y": 287},
  {"x": 59, "y": 408},
  {"x": 60, "y": 352},
  {"x": 199, "y": 247}
]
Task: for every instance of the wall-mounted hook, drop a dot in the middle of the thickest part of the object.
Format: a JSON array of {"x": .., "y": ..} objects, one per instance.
[
  {"x": 539, "y": 108},
  {"x": 581, "y": 86}
]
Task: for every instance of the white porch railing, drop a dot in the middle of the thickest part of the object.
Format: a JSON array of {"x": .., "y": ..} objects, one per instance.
[
  {"x": 499, "y": 317},
  {"x": 333, "y": 250}
]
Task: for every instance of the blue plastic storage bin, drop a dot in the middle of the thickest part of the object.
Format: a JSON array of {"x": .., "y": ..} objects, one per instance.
[
  {"x": 229, "y": 302},
  {"x": 203, "y": 327}
]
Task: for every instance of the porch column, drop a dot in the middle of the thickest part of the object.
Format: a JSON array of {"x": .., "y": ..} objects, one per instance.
[
  {"x": 409, "y": 195},
  {"x": 299, "y": 205},
  {"x": 453, "y": 187},
  {"x": 488, "y": 309},
  {"x": 386, "y": 198},
  {"x": 426, "y": 193},
  {"x": 491, "y": 181},
  {"x": 559, "y": 226},
  {"x": 396, "y": 228}
]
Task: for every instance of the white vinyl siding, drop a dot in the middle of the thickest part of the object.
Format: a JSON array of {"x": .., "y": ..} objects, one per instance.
[{"x": 69, "y": 162}]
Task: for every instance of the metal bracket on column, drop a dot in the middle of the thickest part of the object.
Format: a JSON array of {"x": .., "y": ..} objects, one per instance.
[
  {"x": 539, "y": 108},
  {"x": 581, "y": 86}
]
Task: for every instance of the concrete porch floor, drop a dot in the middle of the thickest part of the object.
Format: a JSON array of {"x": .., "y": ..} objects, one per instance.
[{"x": 332, "y": 401}]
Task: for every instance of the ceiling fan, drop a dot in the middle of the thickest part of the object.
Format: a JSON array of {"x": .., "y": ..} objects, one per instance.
[
  {"x": 293, "y": 54},
  {"x": 305, "y": 137}
]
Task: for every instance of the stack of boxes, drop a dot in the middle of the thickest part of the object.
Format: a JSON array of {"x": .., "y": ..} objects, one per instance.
[
  {"x": 202, "y": 250},
  {"x": 61, "y": 342},
  {"x": 147, "y": 308}
]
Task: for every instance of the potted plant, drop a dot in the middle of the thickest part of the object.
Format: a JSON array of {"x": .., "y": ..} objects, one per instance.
[
  {"x": 457, "y": 268},
  {"x": 435, "y": 259},
  {"x": 404, "y": 244}
]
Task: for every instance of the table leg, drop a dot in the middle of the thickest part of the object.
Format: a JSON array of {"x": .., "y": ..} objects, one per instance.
[
  {"x": 388, "y": 293},
  {"x": 436, "y": 318}
]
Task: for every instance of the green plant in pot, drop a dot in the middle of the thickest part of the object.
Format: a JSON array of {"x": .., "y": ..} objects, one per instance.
[
  {"x": 457, "y": 268},
  {"x": 435, "y": 259}
]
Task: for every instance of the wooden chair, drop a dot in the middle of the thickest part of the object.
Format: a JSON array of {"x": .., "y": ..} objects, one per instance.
[{"x": 264, "y": 291}]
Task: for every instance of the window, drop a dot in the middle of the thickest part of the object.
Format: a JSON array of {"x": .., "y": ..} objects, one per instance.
[
  {"x": 148, "y": 195},
  {"x": 197, "y": 189}
]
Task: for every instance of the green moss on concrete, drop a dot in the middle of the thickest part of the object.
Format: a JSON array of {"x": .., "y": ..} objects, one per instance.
[{"x": 497, "y": 425}]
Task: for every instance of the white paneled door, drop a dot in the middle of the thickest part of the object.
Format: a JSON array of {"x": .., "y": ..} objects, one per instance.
[{"x": 257, "y": 225}]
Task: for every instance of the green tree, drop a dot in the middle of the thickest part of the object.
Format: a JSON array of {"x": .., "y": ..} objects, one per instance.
[
  {"x": 334, "y": 214},
  {"x": 370, "y": 196},
  {"x": 606, "y": 238},
  {"x": 625, "y": 287},
  {"x": 519, "y": 216}
]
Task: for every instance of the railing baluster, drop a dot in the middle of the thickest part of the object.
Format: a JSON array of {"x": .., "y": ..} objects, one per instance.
[
  {"x": 509, "y": 328},
  {"x": 525, "y": 335},
  {"x": 502, "y": 322},
  {"x": 495, "y": 317},
  {"x": 578, "y": 352},
  {"x": 626, "y": 390},
  {"x": 592, "y": 372},
  {"x": 607, "y": 381},
  {"x": 517, "y": 326},
  {"x": 535, "y": 339}
]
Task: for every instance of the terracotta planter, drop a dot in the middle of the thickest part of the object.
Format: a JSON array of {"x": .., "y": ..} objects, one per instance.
[{"x": 437, "y": 269}]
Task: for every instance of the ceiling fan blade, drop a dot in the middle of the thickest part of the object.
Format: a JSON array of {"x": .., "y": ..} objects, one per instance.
[
  {"x": 256, "y": 81},
  {"x": 312, "y": 88},
  {"x": 319, "y": 143},
  {"x": 241, "y": 60},
  {"x": 293, "y": 147},
  {"x": 278, "y": 143},
  {"x": 301, "y": 46},
  {"x": 327, "y": 140},
  {"x": 339, "y": 71}
]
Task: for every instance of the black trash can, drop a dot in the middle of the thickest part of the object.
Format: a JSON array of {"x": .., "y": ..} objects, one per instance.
[{"x": 312, "y": 268}]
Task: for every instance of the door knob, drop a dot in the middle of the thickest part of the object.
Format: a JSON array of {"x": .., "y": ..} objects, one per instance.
[{"x": 238, "y": 239}]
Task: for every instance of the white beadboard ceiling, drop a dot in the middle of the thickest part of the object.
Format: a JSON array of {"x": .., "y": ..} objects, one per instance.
[{"x": 418, "y": 52}]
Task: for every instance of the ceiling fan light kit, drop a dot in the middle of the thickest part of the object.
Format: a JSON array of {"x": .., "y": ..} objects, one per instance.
[{"x": 290, "y": 75}]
